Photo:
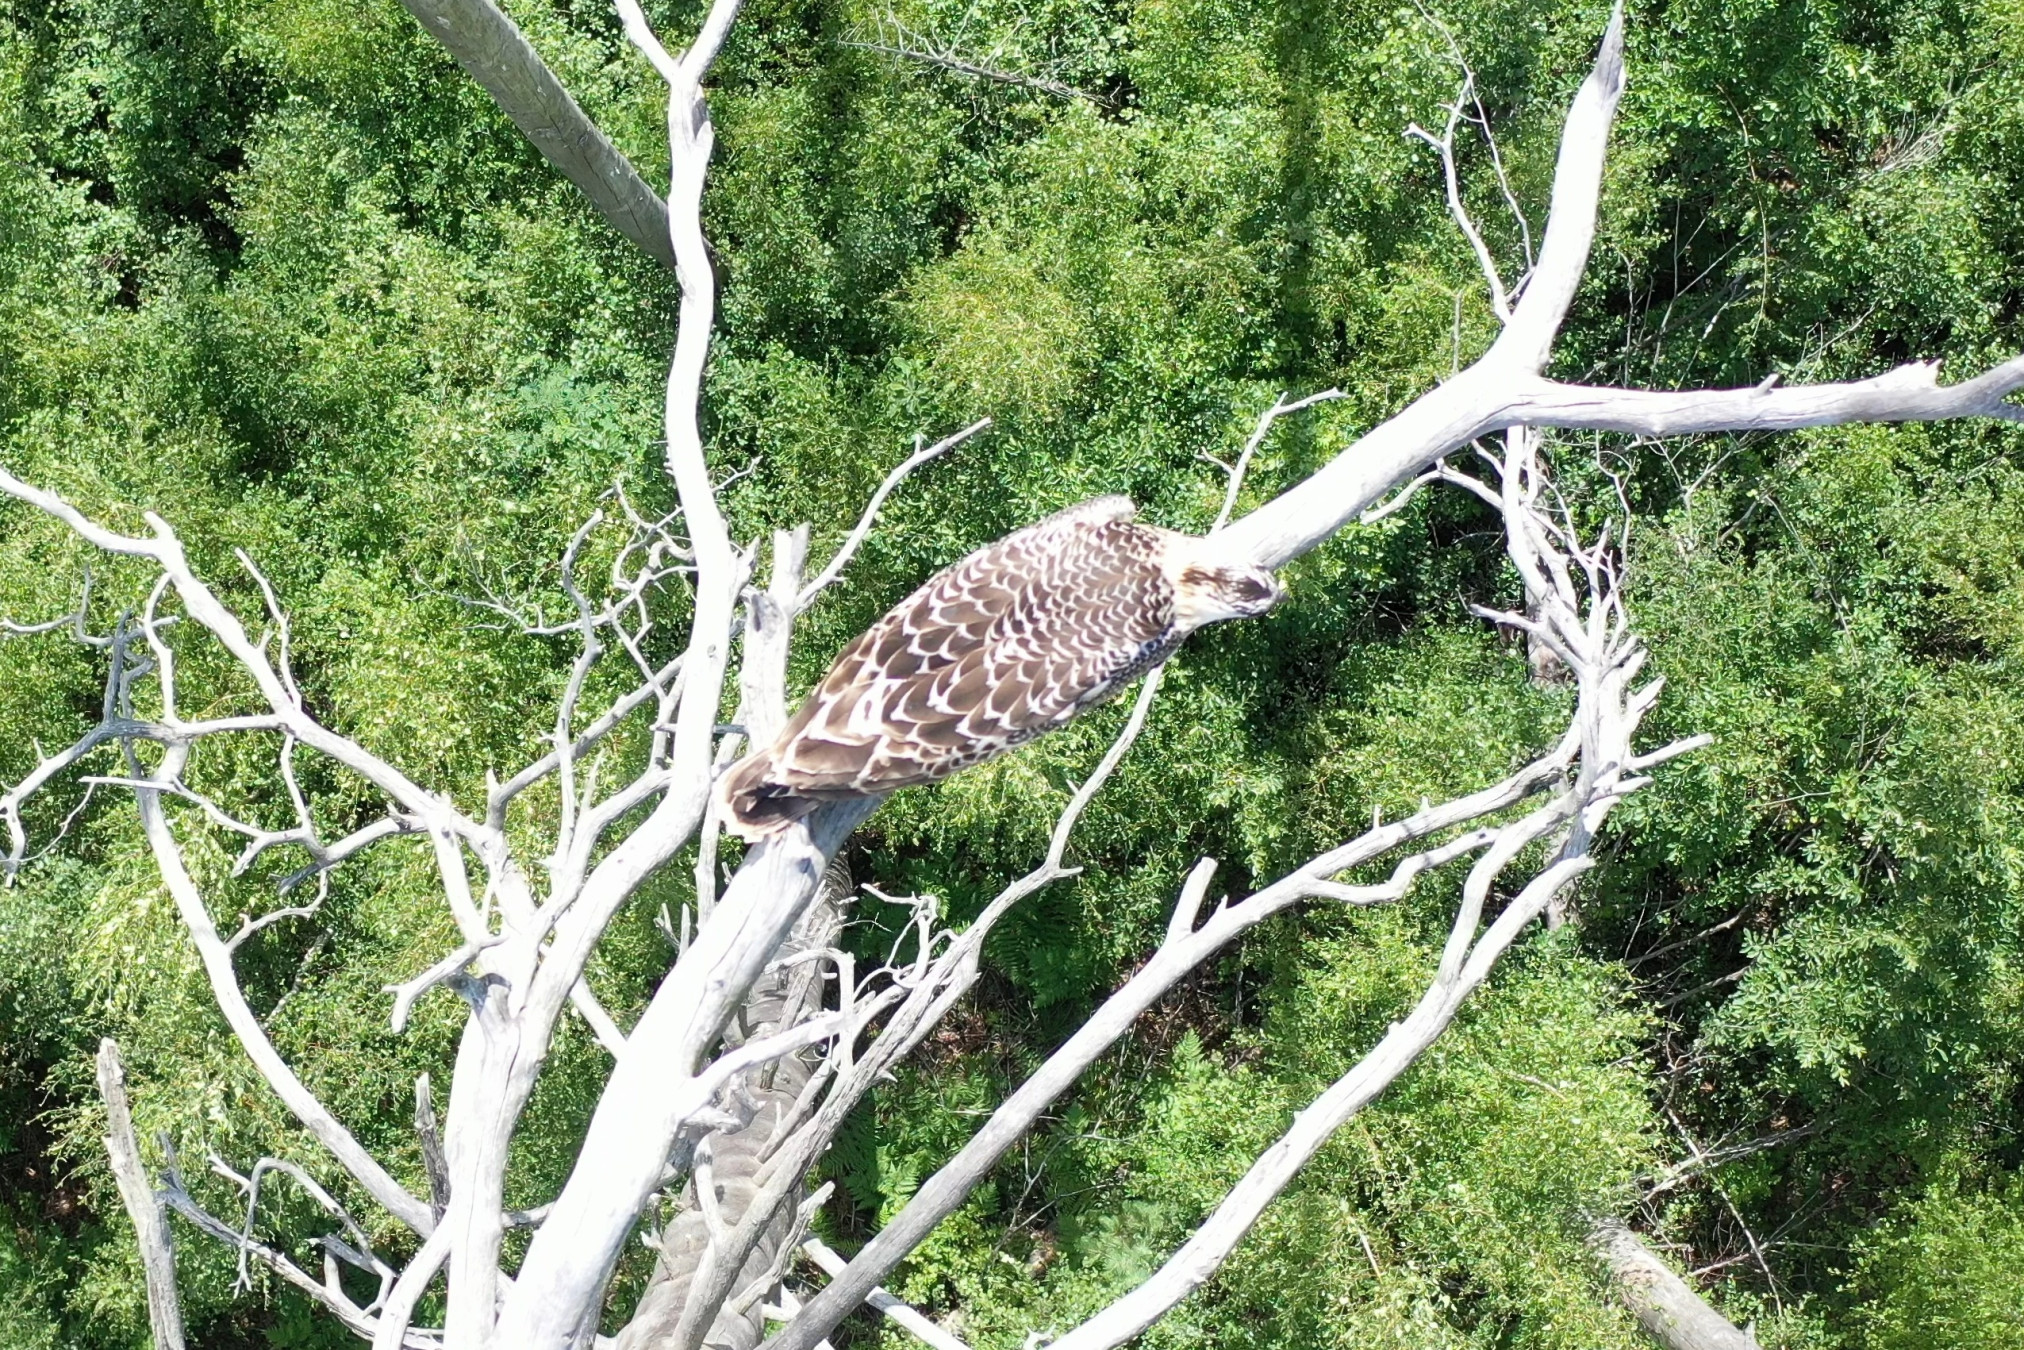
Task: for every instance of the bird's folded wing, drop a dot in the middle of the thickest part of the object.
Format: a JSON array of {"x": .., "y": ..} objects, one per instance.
[{"x": 1008, "y": 643}]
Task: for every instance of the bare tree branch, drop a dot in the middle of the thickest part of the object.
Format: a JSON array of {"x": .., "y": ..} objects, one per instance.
[
  {"x": 76, "y": 620},
  {"x": 399, "y": 1307},
  {"x": 1482, "y": 123},
  {"x": 956, "y": 64},
  {"x": 720, "y": 569},
  {"x": 151, "y": 1229},
  {"x": 1280, "y": 408},
  {"x": 900, "y": 1312},
  {"x": 937, "y": 978},
  {"x": 848, "y": 550},
  {"x": 328, "y": 1292},
  {"x": 1504, "y": 389},
  {"x": 651, "y": 1095},
  {"x": 1185, "y": 948},
  {"x": 356, "y": 1247},
  {"x": 246, "y": 1027},
  {"x": 1585, "y": 615},
  {"x": 1675, "y": 1316},
  {"x": 1475, "y": 401},
  {"x": 494, "y": 52},
  {"x": 203, "y": 606},
  {"x": 898, "y": 40},
  {"x": 1444, "y": 146},
  {"x": 1527, "y": 340},
  {"x": 1704, "y": 1160},
  {"x": 1910, "y": 393}
]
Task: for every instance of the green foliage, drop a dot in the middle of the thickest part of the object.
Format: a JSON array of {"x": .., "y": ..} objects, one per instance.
[
  {"x": 1937, "y": 1272},
  {"x": 277, "y": 270},
  {"x": 1455, "y": 1200}
]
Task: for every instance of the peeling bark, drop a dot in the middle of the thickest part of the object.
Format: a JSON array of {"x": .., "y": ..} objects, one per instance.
[
  {"x": 781, "y": 998},
  {"x": 151, "y": 1226}
]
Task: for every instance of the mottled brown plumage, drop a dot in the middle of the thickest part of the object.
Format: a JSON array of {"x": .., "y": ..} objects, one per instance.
[{"x": 1012, "y": 641}]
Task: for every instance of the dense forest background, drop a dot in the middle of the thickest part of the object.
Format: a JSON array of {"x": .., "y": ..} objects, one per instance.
[{"x": 277, "y": 270}]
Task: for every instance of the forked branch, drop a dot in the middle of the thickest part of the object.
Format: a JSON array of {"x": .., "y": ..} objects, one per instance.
[{"x": 525, "y": 943}]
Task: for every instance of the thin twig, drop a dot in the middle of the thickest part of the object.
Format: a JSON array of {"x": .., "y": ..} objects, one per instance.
[
  {"x": 1280, "y": 408},
  {"x": 949, "y": 61},
  {"x": 828, "y": 575}
]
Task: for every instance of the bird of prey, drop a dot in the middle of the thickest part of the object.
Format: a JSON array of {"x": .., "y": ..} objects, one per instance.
[{"x": 1012, "y": 641}]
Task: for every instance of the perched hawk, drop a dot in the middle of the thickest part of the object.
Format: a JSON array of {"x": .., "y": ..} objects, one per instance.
[{"x": 1014, "y": 640}]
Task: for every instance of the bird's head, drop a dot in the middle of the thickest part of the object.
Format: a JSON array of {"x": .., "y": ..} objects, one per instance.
[{"x": 1207, "y": 593}]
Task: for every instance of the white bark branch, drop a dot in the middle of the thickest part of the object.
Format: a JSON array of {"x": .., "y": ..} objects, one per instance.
[
  {"x": 151, "y": 1228},
  {"x": 1473, "y": 402},
  {"x": 688, "y": 1301},
  {"x": 1280, "y": 408},
  {"x": 327, "y": 1292},
  {"x": 77, "y": 621},
  {"x": 165, "y": 550},
  {"x": 720, "y": 569},
  {"x": 909, "y": 48},
  {"x": 927, "y": 989},
  {"x": 1663, "y": 1303},
  {"x": 502, "y": 795},
  {"x": 1504, "y": 389},
  {"x": 1444, "y": 146},
  {"x": 1213, "y": 1243},
  {"x": 506, "y": 1056},
  {"x": 246, "y": 1027},
  {"x": 356, "y": 1248},
  {"x": 494, "y": 52},
  {"x": 446, "y": 969},
  {"x": 769, "y": 631},
  {"x": 1527, "y": 340},
  {"x": 399, "y": 1309},
  {"x": 897, "y": 1310},
  {"x": 654, "y": 1089},
  {"x": 1184, "y": 950},
  {"x": 1910, "y": 393},
  {"x": 603, "y": 1026}
]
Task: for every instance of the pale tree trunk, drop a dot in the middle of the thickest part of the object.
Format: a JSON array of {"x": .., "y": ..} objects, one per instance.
[
  {"x": 1663, "y": 1303},
  {"x": 781, "y": 999}
]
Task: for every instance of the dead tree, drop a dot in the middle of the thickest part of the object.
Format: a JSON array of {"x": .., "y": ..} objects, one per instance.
[
  {"x": 730, "y": 1186},
  {"x": 1663, "y": 1303},
  {"x": 686, "y": 1077}
]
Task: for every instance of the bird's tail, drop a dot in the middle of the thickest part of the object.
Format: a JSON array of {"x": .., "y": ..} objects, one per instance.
[{"x": 752, "y": 806}]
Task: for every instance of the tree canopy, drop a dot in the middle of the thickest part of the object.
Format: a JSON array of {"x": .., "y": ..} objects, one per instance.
[{"x": 277, "y": 271}]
